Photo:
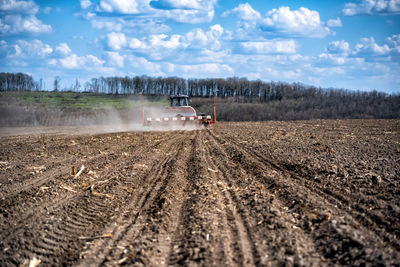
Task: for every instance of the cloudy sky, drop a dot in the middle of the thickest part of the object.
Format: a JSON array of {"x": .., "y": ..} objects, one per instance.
[{"x": 352, "y": 44}]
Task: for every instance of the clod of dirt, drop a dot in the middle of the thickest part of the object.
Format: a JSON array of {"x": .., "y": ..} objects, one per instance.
[{"x": 375, "y": 178}]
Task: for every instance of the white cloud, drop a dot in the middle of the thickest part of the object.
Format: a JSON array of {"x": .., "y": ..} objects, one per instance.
[
  {"x": 394, "y": 42},
  {"x": 187, "y": 11},
  {"x": 120, "y": 6},
  {"x": 14, "y": 24},
  {"x": 13, "y": 6},
  {"x": 85, "y": 4},
  {"x": 368, "y": 60},
  {"x": 301, "y": 22},
  {"x": 334, "y": 23},
  {"x": 212, "y": 56},
  {"x": 191, "y": 16},
  {"x": 63, "y": 49},
  {"x": 23, "y": 53},
  {"x": 93, "y": 61},
  {"x": 106, "y": 25},
  {"x": 204, "y": 70},
  {"x": 80, "y": 62},
  {"x": 19, "y": 17},
  {"x": 245, "y": 12},
  {"x": 145, "y": 66},
  {"x": 269, "y": 47},
  {"x": 157, "y": 46},
  {"x": 72, "y": 62},
  {"x": 128, "y": 25},
  {"x": 115, "y": 59},
  {"x": 35, "y": 48},
  {"x": 368, "y": 46},
  {"x": 137, "y": 44},
  {"x": 161, "y": 41},
  {"x": 180, "y": 4},
  {"x": 338, "y": 47},
  {"x": 197, "y": 38},
  {"x": 329, "y": 59},
  {"x": 174, "y": 47},
  {"x": 372, "y": 7},
  {"x": 328, "y": 71},
  {"x": 116, "y": 41},
  {"x": 281, "y": 22},
  {"x": 394, "y": 39},
  {"x": 146, "y": 26}
]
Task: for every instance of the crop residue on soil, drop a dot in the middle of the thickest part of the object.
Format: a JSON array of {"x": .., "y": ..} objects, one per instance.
[{"x": 309, "y": 193}]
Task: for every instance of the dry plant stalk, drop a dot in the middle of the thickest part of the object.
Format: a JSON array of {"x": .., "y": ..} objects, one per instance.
[
  {"x": 108, "y": 235},
  {"x": 211, "y": 170},
  {"x": 68, "y": 188},
  {"x": 34, "y": 262},
  {"x": 98, "y": 194},
  {"x": 80, "y": 171}
]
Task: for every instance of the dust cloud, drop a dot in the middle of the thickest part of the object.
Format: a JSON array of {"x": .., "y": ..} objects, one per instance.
[{"x": 31, "y": 119}]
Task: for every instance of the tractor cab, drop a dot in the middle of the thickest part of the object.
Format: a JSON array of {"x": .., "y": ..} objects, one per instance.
[
  {"x": 179, "y": 101},
  {"x": 179, "y": 107}
]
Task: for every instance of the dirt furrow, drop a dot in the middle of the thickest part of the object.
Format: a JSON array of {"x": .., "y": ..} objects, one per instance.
[
  {"x": 44, "y": 156},
  {"x": 385, "y": 228},
  {"x": 87, "y": 210},
  {"x": 241, "y": 250},
  {"x": 137, "y": 242},
  {"x": 147, "y": 196},
  {"x": 322, "y": 164},
  {"x": 33, "y": 202},
  {"x": 194, "y": 238},
  {"x": 265, "y": 214},
  {"x": 54, "y": 168},
  {"x": 313, "y": 193},
  {"x": 315, "y": 214}
]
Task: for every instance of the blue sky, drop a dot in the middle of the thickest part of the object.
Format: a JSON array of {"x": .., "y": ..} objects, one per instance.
[{"x": 352, "y": 44}]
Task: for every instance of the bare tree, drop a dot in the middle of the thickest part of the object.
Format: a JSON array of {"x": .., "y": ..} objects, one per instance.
[{"x": 56, "y": 83}]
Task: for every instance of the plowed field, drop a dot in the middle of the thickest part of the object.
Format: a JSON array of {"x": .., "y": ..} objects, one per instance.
[{"x": 310, "y": 193}]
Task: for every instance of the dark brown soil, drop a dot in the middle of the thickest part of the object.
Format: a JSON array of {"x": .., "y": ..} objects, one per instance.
[{"x": 308, "y": 193}]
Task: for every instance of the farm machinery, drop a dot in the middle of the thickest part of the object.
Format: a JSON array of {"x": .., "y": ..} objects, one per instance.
[{"x": 179, "y": 113}]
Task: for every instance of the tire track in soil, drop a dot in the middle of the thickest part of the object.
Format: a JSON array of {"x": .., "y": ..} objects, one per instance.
[
  {"x": 191, "y": 244},
  {"x": 136, "y": 231},
  {"x": 52, "y": 201},
  {"x": 64, "y": 171},
  {"x": 61, "y": 166},
  {"x": 271, "y": 231},
  {"x": 96, "y": 211},
  {"x": 384, "y": 226},
  {"x": 360, "y": 213},
  {"x": 240, "y": 248},
  {"x": 194, "y": 199},
  {"x": 341, "y": 239},
  {"x": 86, "y": 209},
  {"x": 36, "y": 148}
]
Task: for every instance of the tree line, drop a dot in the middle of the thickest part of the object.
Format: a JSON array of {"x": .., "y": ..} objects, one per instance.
[
  {"x": 286, "y": 101},
  {"x": 17, "y": 82},
  {"x": 239, "y": 88}
]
